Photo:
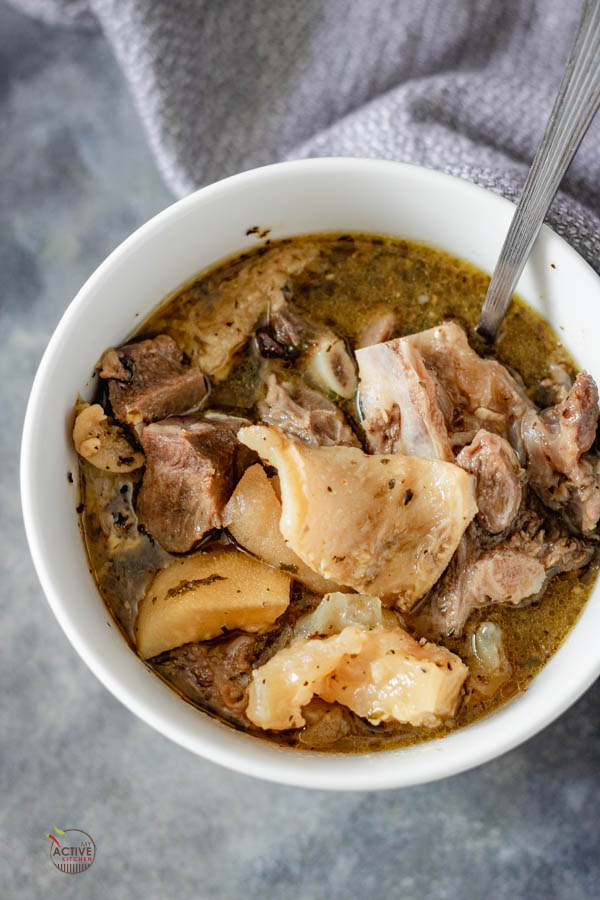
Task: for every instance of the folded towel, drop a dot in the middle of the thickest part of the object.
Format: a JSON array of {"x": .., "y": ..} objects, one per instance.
[{"x": 464, "y": 86}]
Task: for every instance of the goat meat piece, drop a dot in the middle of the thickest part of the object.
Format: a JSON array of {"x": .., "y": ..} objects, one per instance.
[
  {"x": 290, "y": 329},
  {"x": 500, "y": 575},
  {"x": 565, "y": 476},
  {"x": 214, "y": 674},
  {"x": 512, "y": 572},
  {"x": 189, "y": 477},
  {"x": 473, "y": 392},
  {"x": 149, "y": 380},
  {"x": 499, "y": 479},
  {"x": 306, "y": 414}
]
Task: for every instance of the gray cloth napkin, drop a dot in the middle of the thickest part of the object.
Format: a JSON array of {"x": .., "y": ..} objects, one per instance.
[{"x": 464, "y": 86}]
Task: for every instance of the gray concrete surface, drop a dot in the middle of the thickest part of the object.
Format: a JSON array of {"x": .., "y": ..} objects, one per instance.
[{"x": 75, "y": 178}]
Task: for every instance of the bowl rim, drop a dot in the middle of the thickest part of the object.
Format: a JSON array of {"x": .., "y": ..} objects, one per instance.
[{"x": 295, "y": 770}]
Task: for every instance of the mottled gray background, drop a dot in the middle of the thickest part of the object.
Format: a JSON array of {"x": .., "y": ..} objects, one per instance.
[{"x": 75, "y": 178}]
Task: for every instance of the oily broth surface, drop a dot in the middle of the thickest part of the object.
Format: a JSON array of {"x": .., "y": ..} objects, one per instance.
[{"x": 353, "y": 277}]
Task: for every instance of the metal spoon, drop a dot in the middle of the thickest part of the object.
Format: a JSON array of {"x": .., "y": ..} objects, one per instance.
[{"x": 574, "y": 108}]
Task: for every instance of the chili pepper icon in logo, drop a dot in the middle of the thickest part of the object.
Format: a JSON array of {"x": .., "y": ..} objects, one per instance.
[{"x": 51, "y": 836}]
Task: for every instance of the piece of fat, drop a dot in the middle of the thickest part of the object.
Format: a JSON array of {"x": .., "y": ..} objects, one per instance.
[{"x": 336, "y": 611}]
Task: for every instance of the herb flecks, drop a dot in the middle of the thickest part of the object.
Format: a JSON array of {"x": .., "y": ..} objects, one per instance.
[{"x": 186, "y": 586}]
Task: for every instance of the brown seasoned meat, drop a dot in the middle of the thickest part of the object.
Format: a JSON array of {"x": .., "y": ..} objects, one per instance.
[
  {"x": 473, "y": 393},
  {"x": 499, "y": 575},
  {"x": 499, "y": 479},
  {"x": 399, "y": 402},
  {"x": 286, "y": 333},
  {"x": 188, "y": 480},
  {"x": 306, "y": 414},
  {"x": 511, "y": 572},
  {"x": 289, "y": 327},
  {"x": 326, "y": 723},
  {"x": 214, "y": 674},
  {"x": 564, "y": 475},
  {"x": 148, "y": 380}
]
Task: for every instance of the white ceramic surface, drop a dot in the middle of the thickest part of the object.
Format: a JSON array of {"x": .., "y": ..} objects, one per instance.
[{"x": 291, "y": 198}]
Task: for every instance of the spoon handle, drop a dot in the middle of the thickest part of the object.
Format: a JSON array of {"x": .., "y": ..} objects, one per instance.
[{"x": 577, "y": 101}]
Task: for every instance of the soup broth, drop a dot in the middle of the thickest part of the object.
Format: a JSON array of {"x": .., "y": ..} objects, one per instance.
[{"x": 348, "y": 283}]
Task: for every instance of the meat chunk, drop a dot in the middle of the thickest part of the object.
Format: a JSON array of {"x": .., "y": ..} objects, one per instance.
[
  {"x": 559, "y": 551},
  {"x": 516, "y": 570},
  {"x": 148, "y": 380},
  {"x": 561, "y": 471},
  {"x": 472, "y": 392},
  {"x": 475, "y": 393},
  {"x": 188, "y": 479},
  {"x": 497, "y": 576},
  {"x": 290, "y": 329},
  {"x": 216, "y": 326},
  {"x": 380, "y": 674},
  {"x": 383, "y": 525},
  {"x": 326, "y": 724},
  {"x": 306, "y": 414},
  {"x": 214, "y": 674},
  {"x": 399, "y": 403},
  {"x": 499, "y": 479},
  {"x": 285, "y": 334}
]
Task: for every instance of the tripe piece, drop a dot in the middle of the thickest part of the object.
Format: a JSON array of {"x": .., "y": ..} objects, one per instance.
[
  {"x": 380, "y": 675},
  {"x": 384, "y": 525}
]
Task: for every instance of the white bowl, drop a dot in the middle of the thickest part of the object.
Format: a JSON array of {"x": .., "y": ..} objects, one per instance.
[{"x": 292, "y": 198}]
